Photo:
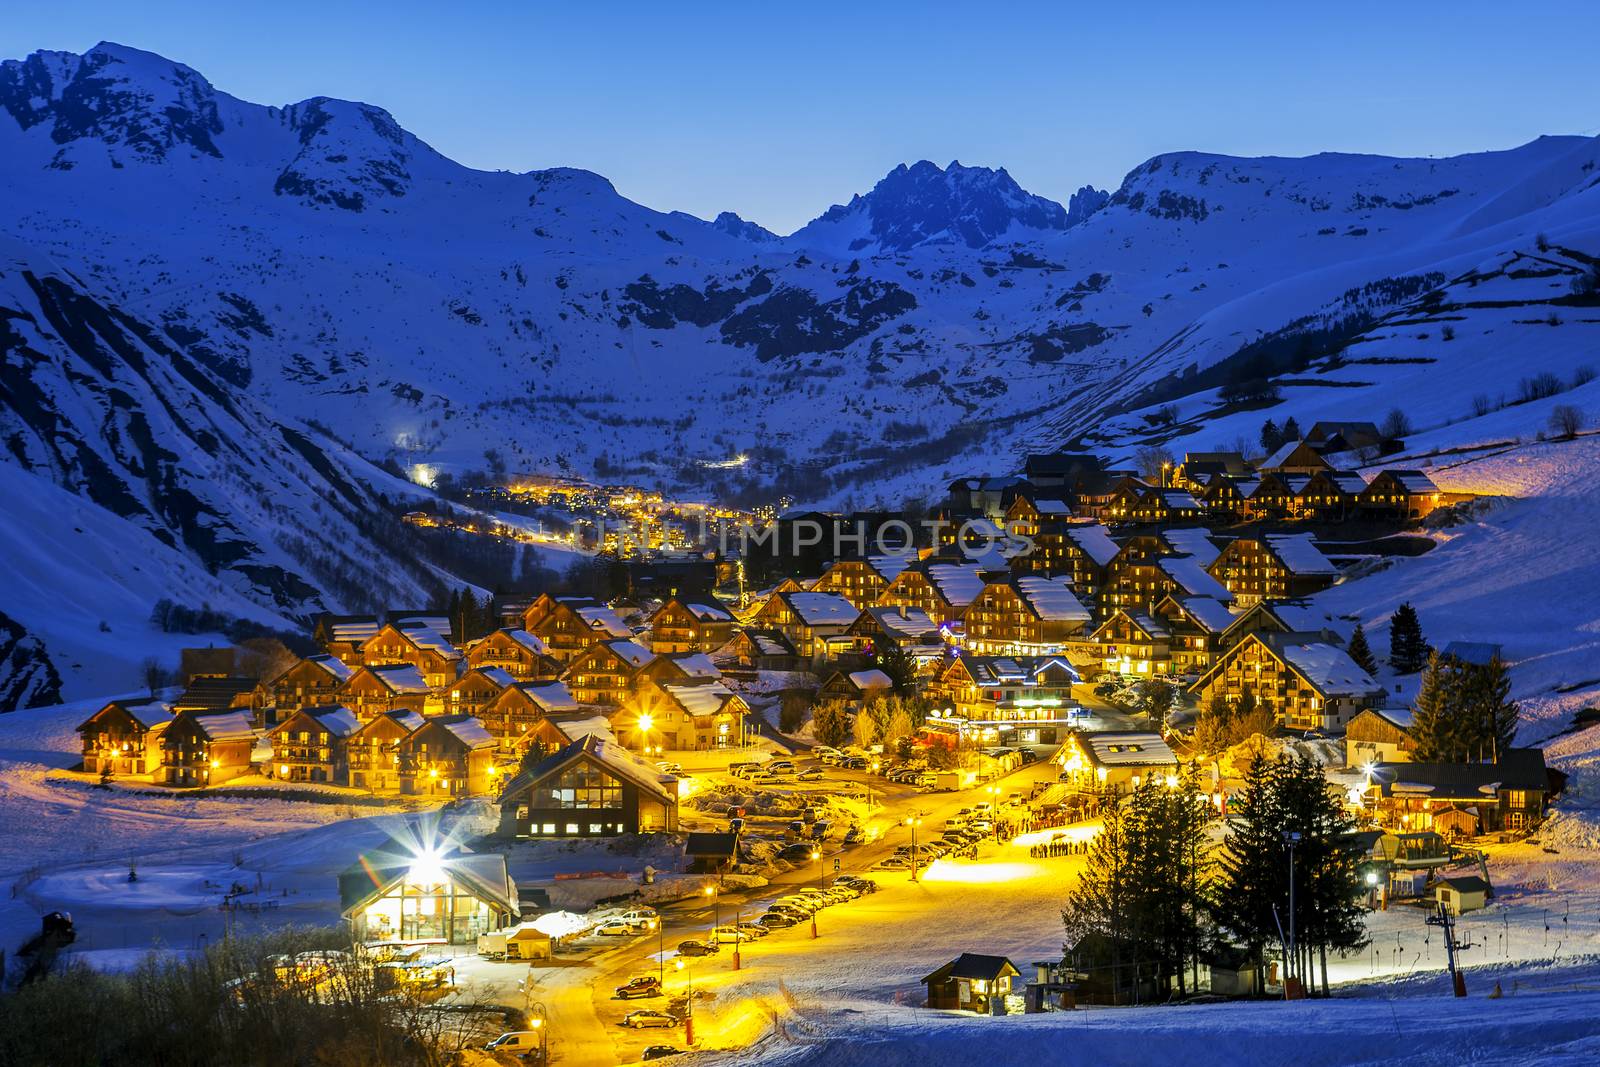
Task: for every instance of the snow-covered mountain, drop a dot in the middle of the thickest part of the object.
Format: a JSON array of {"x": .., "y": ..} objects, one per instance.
[{"x": 311, "y": 272}]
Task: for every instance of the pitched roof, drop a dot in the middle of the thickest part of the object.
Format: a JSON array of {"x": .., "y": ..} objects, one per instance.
[
  {"x": 1193, "y": 579},
  {"x": 1412, "y": 481},
  {"x": 149, "y": 713},
  {"x": 612, "y": 756},
  {"x": 769, "y": 642},
  {"x": 1328, "y": 668},
  {"x": 404, "y": 718},
  {"x": 1300, "y": 554},
  {"x": 1193, "y": 541},
  {"x": 706, "y": 612},
  {"x": 1010, "y": 670},
  {"x": 333, "y": 666},
  {"x": 706, "y": 698},
  {"x": 1211, "y": 614},
  {"x": 871, "y": 679},
  {"x": 1465, "y": 883},
  {"x": 482, "y": 874},
  {"x": 226, "y": 726},
  {"x": 630, "y": 652},
  {"x": 1051, "y": 598},
  {"x": 1094, "y": 540},
  {"x": 905, "y": 624},
  {"x": 550, "y": 696},
  {"x": 467, "y": 729},
  {"x": 1518, "y": 768},
  {"x": 821, "y": 609},
  {"x": 213, "y": 693},
  {"x": 601, "y": 617},
  {"x": 528, "y": 641},
  {"x": 711, "y": 844},
  {"x": 972, "y": 965},
  {"x": 958, "y": 583},
  {"x": 1126, "y": 748},
  {"x": 355, "y": 628},
  {"x": 400, "y": 678}
]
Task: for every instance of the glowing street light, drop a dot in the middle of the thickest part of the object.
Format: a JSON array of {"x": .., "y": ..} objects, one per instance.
[
  {"x": 913, "y": 822},
  {"x": 816, "y": 856},
  {"x": 688, "y": 1011}
]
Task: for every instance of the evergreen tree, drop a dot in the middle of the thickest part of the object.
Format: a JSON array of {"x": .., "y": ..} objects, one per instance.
[
  {"x": 1488, "y": 715},
  {"x": 1290, "y": 431},
  {"x": 830, "y": 724},
  {"x": 1271, "y": 437},
  {"x": 1253, "y": 878},
  {"x": 1329, "y": 913},
  {"x": 1408, "y": 652},
  {"x": 1361, "y": 652},
  {"x": 899, "y": 665},
  {"x": 1435, "y": 718}
]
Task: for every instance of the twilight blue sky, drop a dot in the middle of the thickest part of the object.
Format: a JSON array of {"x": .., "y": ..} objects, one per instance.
[{"x": 776, "y": 110}]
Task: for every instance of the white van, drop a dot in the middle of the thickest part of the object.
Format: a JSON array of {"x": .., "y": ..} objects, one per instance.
[{"x": 517, "y": 1042}]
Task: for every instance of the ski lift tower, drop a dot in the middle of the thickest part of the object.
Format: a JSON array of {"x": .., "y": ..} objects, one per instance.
[{"x": 1441, "y": 918}]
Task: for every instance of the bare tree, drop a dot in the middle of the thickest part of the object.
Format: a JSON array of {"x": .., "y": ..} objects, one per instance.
[
  {"x": 1566, "y": 420},
  {"x": 264, "y": 658},
  {"x": 154, "y": 674},
  {"x": 1152, "y": 462},
  {"x": 1396, "y": 425}
]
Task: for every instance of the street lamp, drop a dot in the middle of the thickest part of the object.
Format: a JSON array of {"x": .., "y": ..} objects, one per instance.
[
  {"x": 738, "y": 933},
  {"x": 541, "y": 1023},
  {"x": 688, "y": 1011},
  {"x": 716, "y": 915},
  {"x": 1290, "y": 840},
  {"x": 816, "y": 856},
  {"x": 913, "y": 822}
]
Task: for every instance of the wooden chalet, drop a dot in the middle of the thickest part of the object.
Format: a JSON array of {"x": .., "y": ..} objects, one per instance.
[
  {"x": 1030, "y": 615},
  {"x": 1273, "y": 497},
  {"x": 1379, "y": 735},
  {"x": 341, "y": 636},
  {"x": 911, "y": 631},
  {"x": 1329, "y": 496},
  {"x": 690, "y": 626},
  {"x": 1147, "y": 504},
  {"x": 476, "y": 690},
  {"x": 758, "y": 649},
  {"x": 1294, "y": 457},
  {"x": 420, "y": 646},
  {"x": 200, "y": 749},
  {"x": 1462, "y": 799},
  {"x": 569, "y": 625},
  {"x": 690, "y": 716},
  {"x": 448, "y": 756},
  {"x": 604, "y": 673},
  {"x": 372, "y": 753},
  {"x": 309, "y": 745},
  {"x": 391, "y": 687},
  {"x": 1134, "y": 643},
  {"x": 860, "y": 581},
  {"x": 124, "y": 737},
  {"x": 807, "y": 619},
  {"x": 389, "y": 896},
  {"x": 856, "y": 689},
  {"x": 1273, "y": 567},
  {"x": 1199, "y": 469},
  {"x": 972, "y": 982},
  {"x": 590, "y": 788},
  {"x": 211, "y": 694},
  {"x": 680, "y": 667},
  {"x": 515, "y": 651},
  {"x": 523, "y": 716},
  {"x": 1195, "y": 625},
  {"x": 1330, "y": 437},
  {"x": 1306, "y": 682},
  {"x": 942, "y": 591},
  {"x": 314, "y": 681},
  {"x": 1400, "y": 495},
  {"x": 1028, "y": 698},
  {"x": 1114, "y": 760},
  {"x": 1225, "y": 497},
  {"x": 1150, "y": 567}
]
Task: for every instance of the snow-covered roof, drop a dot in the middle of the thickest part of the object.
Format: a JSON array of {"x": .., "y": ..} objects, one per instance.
[
  {"x": 696, "y": 665},
  {"x": 335, "y": 667},
  {"x": 707, "y": 698},
  {"x": 1327, "y": 667},
  {"x": 1193, "y": 541},
  {"x": 147, "y": 713},
  {"x": 1095, "y": 541},
  {"x": 1052, "y": 506},
  {"x": 822, "y": 609},
  {"x": 401, "y": 678},
  {"x": 708, "y": 612},
  {"x": 528, "y": 641},
  {"x": 498, "y": 675},
  {"x": 631, "y": 652},
  {"x": 1180, "y": 499},
  {"x": 889, "y": 567},
  {"x": 1052, "y": 599},
  {"x": 1126, "y": 748},
  {"x": 425, "y": 636},
  {"x": 1303, "y": 618},
  {"x": 1300, "y": 554},
  {"x": 601, "y": 617},
  {"x": 871, "y": 679},
  {"x": 227, "y": 726},
  {"x": 551, "y": 697},
  {"x": 467, "y": 729},
  {"x": 439, "y": 624},
  {"x": 1193, "y": 579},
  {"x": 339, "y": 721},
  {"x": 770, "y": 643},
  {"x": 1413, "y": 481},
  {"x": 1208, "y": 612},
  {"x": 1011, "y": 670},
  {"x": 1350, "y": 481},
  {"x": 357, "y": 630},
  {"x": 904, "y": 623},
  {"x": 959, "y": 583}
]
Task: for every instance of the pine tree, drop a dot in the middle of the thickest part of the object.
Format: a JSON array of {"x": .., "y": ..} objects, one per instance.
[
  {"x": 1328, "y": 909},
  {"x": 1489, "y": 715},
  {"x": 1408, "y": 652},
  {"x": 1436, "y": 718},
  {"x": 1271, "y": 437},
  {"x": 899, "y": 665},
  {"x": 1252, "y": 876},
  {"x": 1361, "y": 652},
  {"x": 1290, "y": 431}
]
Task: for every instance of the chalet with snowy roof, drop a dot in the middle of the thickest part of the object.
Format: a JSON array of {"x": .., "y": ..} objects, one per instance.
[
  {"x": 1307, "y": 683},
  {"x": 1027, "y": 698},
  {"x": 1294, "y": 457},
  {"x": 341, "y": 636},
  {"x": 1333, "y": 437},
  {"x": 310, "y": 745},
  {"x": 394, "y": 686},
  {"x": 212, "y": 694},
  {"x": 1154, "y": 505},
  {"x": 393, "y": 895},
  {"x": 372, "y": 752},
  {"x": 1134, "y": 643},
  {"x": 1286, "y": 616},
  {"x": 447, "y": 756},
  {"x": 200, "y": 748},
  {"x": 569, "y": 625},
  {"x": 1134, "y": 578},
  {"x": 1198, "y": 469},
  {"x": 1379, "y": 735},
  {"x": 590, "y": 788},
  {"x": 1329, "y": 496},
  {"x": 807, "y": 619},
  {"x": 1082, "y": 552},
  {"x": 1186, "y": 576},
  {"x": 679, "y": 667},
  {"x": 530, "y": 714},
  {"x": 1225, "y": 497},
  {"x": 476, "y": 689},
  {"x": 1400, "y": 495},
  {"x": 1462, "y": 799},
  {"x": 420, "y": 646},
  {"x": 1195, "y": 625},
  {"x": 1272, "y": 497},
  {"x": 856, "y": 689},
  {"x": 516, "y": 652},
  {"x": 1273, "y": 567},
  {"x": 425, "y": 620},
  {"x": 911, "y": 631},
  {"x": 690, "y": 716},
  {"x": 312, "y": 681},
  {"x": 860, "y": 581},
  {"x": 124, "y": 737},
  {"x": 759, "y": 649},
  {"x": 972, "y": 982},
  {"x": 690, "y": 626},
  {"x": 1030, "y": 615},
  {"x": 1196, "y": 541},
  {"x": 1115, "y": 760},
  {"x": 604, "y": 673},
  {"x": 942, "y": 591}
]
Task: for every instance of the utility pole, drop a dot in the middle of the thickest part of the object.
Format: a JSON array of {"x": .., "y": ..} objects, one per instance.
[
  {"x": 1290, "y": 840},
  {"x": 913, "y": 822}
]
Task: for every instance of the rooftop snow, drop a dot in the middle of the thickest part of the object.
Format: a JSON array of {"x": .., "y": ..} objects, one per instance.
[
  {"x": 1193, "y": 579},
  {"x": 1095, "y": 541},
  {"x": 1300, "y": 554},
  {"x": 1328, "y": 667},
  {"x": 1052, "y": 599},
  {"x": 822, "y": 609}
]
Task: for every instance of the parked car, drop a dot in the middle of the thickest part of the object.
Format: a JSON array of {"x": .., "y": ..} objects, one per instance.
[
  {"x": 614, "y": 928},
  {"x": 779, "y": 920},
  {"x": 742, "y": 770},
  {"x": 780, "y": 766},
  {"x": 725, "y": 934},
  {"x": 855, "y": 763},
  {"x": 697, "y": 948},
  {"x": 892, "y": 863},
  {"x": 983, "y": 809},
  {"x": 760, "y": 777},
  {"x": 826, "y": 753},
  {"x": 861, "y": 885},
  {"x": 668, "y": 767},
  {"x": 799, "y": 852},
  {"x": 854, "y": 836},
  {"x": 812, "y": 775},
  {"x": 648, "y": 1017},
  {"x": 753, "y": 930},
  {"x": 1029, "y": 756},
  {"x": 646, "y": 985},
  {"x": 659, "y": 1052},
  {"x": 516, "y": 1042}
]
